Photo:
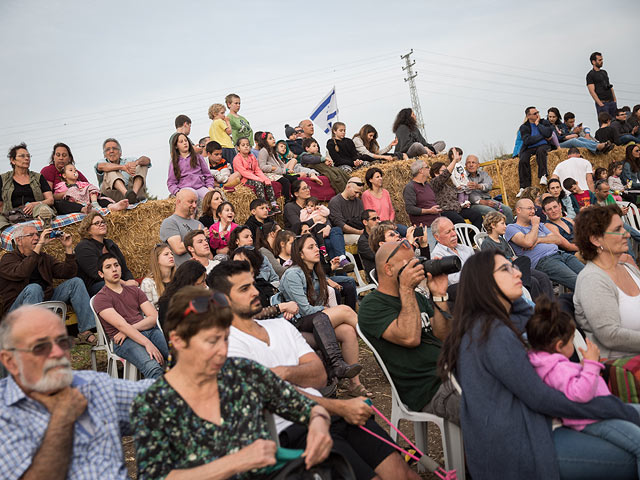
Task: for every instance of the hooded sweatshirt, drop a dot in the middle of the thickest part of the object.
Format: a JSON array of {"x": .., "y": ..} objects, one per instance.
[{"x": 579, "y": 383}]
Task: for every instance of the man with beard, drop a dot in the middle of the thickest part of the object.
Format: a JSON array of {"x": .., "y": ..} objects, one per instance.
[
  {"x": 175, "y": 227},
  {"x": 56, "y": 423}
]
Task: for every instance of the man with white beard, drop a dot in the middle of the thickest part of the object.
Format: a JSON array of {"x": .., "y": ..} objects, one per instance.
[{"x": 56, "y": 423}]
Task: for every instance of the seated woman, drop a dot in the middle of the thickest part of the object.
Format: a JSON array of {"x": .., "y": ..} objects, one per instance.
[
  {"x": 265, "y": 242},
  {"x": 535, "y": 281},
  {"x": 567, "y": 139},
  {"x": 555, "y": 189},
  {"x": 282, "y": 247},
  {"x": 607, "y": 295},
  {"x": 94, "y": 242},
  {"x": 366, "y": 144},
  {"x": 83, "y": 194},
  {"x": 343, "y": 151},
  {"x": 378, "y": 199},
  {"x": 246, "y": 164},
  {"x": 205, "y": 417},
  {"x": 161, "y": 269},
  {"x": 410, "y": 140},
  {"x": 25, "y": 193},
  {"x": 190, "y": 273},
  {"x": 240, "y": 237},
  {"x": 210, "y": 204},
  {"x": 220, "y": 231},
  {"x": 306, "y": 284},
  {"x": 506, "y": 409},
  {"x": 631, "y": 170},
  {"x": 447, "y": 196},
  {"x": 188, "y": 169}
]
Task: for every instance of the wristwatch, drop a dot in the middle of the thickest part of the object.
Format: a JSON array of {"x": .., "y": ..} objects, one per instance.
[{"x": 441, "y": 299}]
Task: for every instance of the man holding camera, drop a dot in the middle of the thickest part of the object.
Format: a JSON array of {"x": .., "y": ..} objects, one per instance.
[{"x": 407, "y": 331}]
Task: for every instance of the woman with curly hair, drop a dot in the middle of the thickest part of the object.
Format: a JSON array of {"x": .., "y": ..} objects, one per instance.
[{"x": 410, "y": 140}]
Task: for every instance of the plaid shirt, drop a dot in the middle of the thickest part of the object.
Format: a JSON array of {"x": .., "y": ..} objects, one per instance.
[{"x": 97, "y": 443}]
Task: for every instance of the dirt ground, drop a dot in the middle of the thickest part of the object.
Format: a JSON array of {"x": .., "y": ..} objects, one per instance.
[{"x": 372, "y": 377}]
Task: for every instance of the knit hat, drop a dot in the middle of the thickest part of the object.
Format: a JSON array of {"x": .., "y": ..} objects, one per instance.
[{"x": 289, "y": 130}]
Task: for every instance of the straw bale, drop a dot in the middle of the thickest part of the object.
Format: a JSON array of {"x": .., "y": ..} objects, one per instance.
[{"x": 241, "y": 197}]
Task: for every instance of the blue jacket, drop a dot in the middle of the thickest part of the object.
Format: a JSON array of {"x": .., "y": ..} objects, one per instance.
[
  {"x": 506, "y": 409},
  {"x": 545, "y": 128},
  {"x": 293, "y": 287},
  {"x": 628, "y": 174}
]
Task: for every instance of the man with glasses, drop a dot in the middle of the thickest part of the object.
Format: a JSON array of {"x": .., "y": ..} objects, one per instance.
[
  {"x": 528, "y": 237},
  {"x": 346, "y": 211},
  {"x": 407, "y": 331},
  {"x": 370, "y": 220},
  {"x": 56, "y": 423},
  {"x": 447, "y": 238},
  {"x": 119, "y": 177},
  {"x": 623, "y": 129},
  {"x": 479, "y": 188},
  {"x": 27, "y": 275},
  {"x": 536, "y": 140}
]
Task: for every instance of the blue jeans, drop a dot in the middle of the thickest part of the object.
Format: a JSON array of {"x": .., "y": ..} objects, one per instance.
[
  {"x": 622, "y": 434},
  {"x": 348, "y": 295},
  {"x": 585, "y": 457},
  {"x": 70, "y": 291},
  {"x": 135, "y": 353},
  {"x": 335, "y": 242},
  {"x": 627, "y": 137},
  {"x": 609, "y": 107},
  {"x": 580, "y": 142},
  {"x": 561, "y": 267},
  {"x": 505, "y": 209}
]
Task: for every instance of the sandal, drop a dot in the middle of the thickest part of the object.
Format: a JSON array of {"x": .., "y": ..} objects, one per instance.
[
  {"x": 86, "y": 338},
  {"x": 359, "y": 391}
]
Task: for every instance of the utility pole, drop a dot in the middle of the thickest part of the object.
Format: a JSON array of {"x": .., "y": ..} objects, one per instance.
[{"x": 415, "y": 100}]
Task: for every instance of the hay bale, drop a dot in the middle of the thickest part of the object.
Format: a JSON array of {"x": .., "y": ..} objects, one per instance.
[{"x": 241, "y": 198}]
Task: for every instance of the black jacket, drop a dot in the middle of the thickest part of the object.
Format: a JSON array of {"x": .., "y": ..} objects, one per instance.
[
  {"x": 254, "y": 224},
  {"x": 87, "y": 253},
  {"x": 545, "y": 128}
]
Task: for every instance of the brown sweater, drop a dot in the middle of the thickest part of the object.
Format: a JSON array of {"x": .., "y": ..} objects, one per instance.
[
  {"x": 16, "y": 271},
  {"x": 446, "y": 194}
]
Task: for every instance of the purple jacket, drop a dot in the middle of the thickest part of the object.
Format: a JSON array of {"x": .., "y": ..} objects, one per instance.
[
  {"x": 193, "y": 177},
  {"x": 579, "y": 383}
]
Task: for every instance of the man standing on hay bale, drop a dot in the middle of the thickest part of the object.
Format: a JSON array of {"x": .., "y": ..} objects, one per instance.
[
  {"x": 478, "y": 188},
  {"x": 175, "y": 227},
  {"x": 536, "y": 140},
  {"x": 600, "y": 87},
  {"x": 119, "y": 177}
]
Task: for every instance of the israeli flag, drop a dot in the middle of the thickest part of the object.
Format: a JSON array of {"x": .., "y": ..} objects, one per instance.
[{"x": 326, "y": 113}]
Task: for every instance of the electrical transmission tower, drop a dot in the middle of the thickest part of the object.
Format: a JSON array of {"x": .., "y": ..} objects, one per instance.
[{"x": 415, "y": 100}]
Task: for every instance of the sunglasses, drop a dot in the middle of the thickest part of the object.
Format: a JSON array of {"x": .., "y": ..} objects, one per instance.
[
  {"x": 201, "y": 304},
  {"x": 403, "y": 244},
  {"x": 43, "y": 349},
  {"x": 360, "y": 184}
]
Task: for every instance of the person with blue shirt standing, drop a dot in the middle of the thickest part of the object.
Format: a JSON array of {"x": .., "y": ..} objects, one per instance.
[{"x": 536, "y": 135}]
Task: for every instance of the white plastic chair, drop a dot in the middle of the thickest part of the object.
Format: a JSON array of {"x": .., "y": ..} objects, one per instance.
[
  {"x": 450, "y": 433},
  {"x": 633, "y": 215},
  {"x": 464, "y": 231},
  {"x": 373, "y": 276},
  {"x": 579, "y": 342},
  {"x": 479, "y": 238},
  {"x": 362, "y": 285},
  {"x": 130, "y": 372},
  {"x": 59, "y": 308}
]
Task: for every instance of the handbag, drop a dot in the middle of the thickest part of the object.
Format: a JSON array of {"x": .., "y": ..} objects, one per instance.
[{"x": 17, "y": 215}]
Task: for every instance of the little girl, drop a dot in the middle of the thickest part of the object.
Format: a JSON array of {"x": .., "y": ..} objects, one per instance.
[
  {"x": 319, "y": 214},
  {"x": 220, "y": 231},
  {"x": 283, "y": 155},
  {"x": 246, "y": 164},
  {"x": 85, "y": 193},
  {"x": 550, "y": 333},
  {"x": 600, "y": 174},
  {"x": 343, "y": 151},
  {"x": 615, "y": 182},
  {"x": 188, "y": 169}
]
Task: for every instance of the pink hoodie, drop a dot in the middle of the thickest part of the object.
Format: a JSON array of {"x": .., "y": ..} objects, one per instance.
[{"x": 579, "y": 383}]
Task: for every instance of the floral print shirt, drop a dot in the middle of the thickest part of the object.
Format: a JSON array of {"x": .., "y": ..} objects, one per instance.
[{"x": 169, "y": 435}]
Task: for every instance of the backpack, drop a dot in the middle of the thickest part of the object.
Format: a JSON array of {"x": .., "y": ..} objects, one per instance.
[{"x": 335, "y": 467}]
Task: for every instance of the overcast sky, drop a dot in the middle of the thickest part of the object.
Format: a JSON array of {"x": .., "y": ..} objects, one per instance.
[{"x": 79, "y": 71}]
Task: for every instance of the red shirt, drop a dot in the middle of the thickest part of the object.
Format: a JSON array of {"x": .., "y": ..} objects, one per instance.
[
  {"x": 52, "y": 175},
  {"x": 583, "y": 198}
]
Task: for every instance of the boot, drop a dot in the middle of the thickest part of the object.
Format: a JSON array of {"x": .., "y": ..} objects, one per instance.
[{"x": 327, "y": 342}]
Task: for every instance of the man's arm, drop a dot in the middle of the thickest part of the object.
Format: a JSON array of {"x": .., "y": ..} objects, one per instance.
[
  {"x": 526, "y": 241},
  {"x": 143, "y": 161},
  {"x": 109, "y": 167},
  {"x": 562, "y": 242},
  {"x": 440, "y": 325},
  {"x": 406, "y": 330},
  {"x": 309, "y": 372},
  {"x": 590, "y": 182},
  {"x": 176, "y": 245},
  {"x": 111, "y": 316},
  {"x": 592, "y": 91},
  {"x": 150, "y": 317},
  {"x": 353, "y": 410}
]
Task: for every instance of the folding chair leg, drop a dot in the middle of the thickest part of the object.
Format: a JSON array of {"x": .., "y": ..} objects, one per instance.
[
  {"x": 395, "y": 421},
  {"x": 94, "y": 363},
  {"x": 453, "y": 449},
  {"x": 421, "y": 436}
]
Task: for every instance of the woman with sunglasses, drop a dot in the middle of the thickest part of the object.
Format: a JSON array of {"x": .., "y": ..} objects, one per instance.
[
  {"x": 94, "y": 243},
  {"x": 205, "y": 417},
  {"x": 506, "y": 409},
  {"x": 306, "y": 284},
  {"x": 607, "y": 296}
]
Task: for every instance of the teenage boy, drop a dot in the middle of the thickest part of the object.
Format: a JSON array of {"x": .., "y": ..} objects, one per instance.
[
  {"x": 606, "y": 133},
  {"x": 259, "y": 209},
  {"x": 219, "y": 166},
  {"x": 129, "y": 319},
  {"x": 197, "y": 244},
  {"x": 240, "y": 126},
  {"x": 183, "y": 125},
  {"x": 312, "y": 158},
  {"x": 579, "y": 197}
]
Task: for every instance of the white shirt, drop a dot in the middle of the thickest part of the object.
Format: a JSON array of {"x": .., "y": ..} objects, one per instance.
[
  {"x": 629, "y": 307},
  {"x": 286, "y": 346},
  {"x": 463, "y": 253},
  {"x": 576, "y": 168}
]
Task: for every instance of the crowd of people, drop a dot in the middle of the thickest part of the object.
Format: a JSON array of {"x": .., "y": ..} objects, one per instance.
[{"x": 234, "y": 319}]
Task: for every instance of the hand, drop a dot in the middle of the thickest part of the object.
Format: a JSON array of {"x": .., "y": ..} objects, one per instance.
[
  {"x": 592, "y": 352},
  {"x": 335, "y": 263},
  {"x": 131, "y": 167},
  {"x": 624, "y": 210},
  {"x": 333, "y": 284},
  {"x": 634, "y": 130},
  {"x": 438, "y": 285},
  {"x": 329, "y": 162},
  {"x": 388, "y": 157},
  {"x": 119, "y": 338},
  {"x": 290, "y": 308},
  {"x": 154, "y": 353},
  {"x": 455, "y": 155},
  {"x": 435, "y": 209},
  {"x": 325, "y": 231},
  {"x": 267, "y": 182},
  {"x": 261, "y": 453},
  {"x": 535, "y": 222},
  {"x": 67, "y": 241},
  {"x": 355, "y": 411},
  {"x": 537, "y": 120},
  {"x": 129, "y": 283},
  {"x": 357, "y": 163},
  {"x": 577, "y": 129},
  {"x": 206, "y": 232},
  {"x": 473, "y": 186},
  {"x": 412, "y": 275},
  {"x": 319, "y": 442},
  {"x": 394, "y": 142},
  {"x": 279, "y": 371},
  {"x": 409, "y": 236},
  {"x": 45, "y": 236},
  {"x": 215, "y": 233},
  {"x": 66, "y": 404},
  {"x": 28, "y": 208},
  {"x": 488, "y": 203}
]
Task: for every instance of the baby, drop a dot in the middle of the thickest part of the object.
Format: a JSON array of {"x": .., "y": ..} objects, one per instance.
[
  {"x": 85, "y": 193},
  {"x": 314, "y": 211}
]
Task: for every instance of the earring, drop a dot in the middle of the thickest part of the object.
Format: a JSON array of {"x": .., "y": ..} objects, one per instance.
[
  {"x": 169, "y": 358},
  {"x": 601, "y": 247}
]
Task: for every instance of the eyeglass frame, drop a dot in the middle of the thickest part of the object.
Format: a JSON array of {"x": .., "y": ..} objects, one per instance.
[
  {"x": 403, "y": 243},
  {"x": 47, "y": 346}
]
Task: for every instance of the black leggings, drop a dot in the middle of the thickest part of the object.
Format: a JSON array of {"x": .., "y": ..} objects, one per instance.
[
  {"x": 286, "y": 181},
  {"x": 65, "y": 206}
]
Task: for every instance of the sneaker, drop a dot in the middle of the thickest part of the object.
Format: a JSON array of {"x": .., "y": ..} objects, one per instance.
[
  {"x": 543, "y": 180},
  {"x": 275, "y": 210},
  {"x": 519, "y": 194},
  {"x": 345, "y": 264}
]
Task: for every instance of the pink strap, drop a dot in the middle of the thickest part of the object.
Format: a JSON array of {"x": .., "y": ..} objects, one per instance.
[{"x": 398, "y": 431}]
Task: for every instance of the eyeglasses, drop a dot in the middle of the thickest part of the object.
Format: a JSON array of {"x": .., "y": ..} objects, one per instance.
[
  {"x": 34, "y": 234},
  {"x": 373, "y": 219},
  {"x": 534, "y": 113},
  {"x": 23, "y": 155},
  {"x": 508, "y": 267},
  {"x": 624, "y": 232},
  {"x": 201, "y": 304},
  {"x": 43, "y": 349},
  {"x": 404, "y": 243},
  {"x": 101, "y": 223}
]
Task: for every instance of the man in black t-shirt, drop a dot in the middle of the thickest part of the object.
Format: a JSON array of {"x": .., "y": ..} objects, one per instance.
[{"x": 600, "y": 87}]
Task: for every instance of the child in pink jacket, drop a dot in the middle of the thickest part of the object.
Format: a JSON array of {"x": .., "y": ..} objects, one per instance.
[
  {"x": 246, "y": 164},
  {"x": 550, "y": 333}
]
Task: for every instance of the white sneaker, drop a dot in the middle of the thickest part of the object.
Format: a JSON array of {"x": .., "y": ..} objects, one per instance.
[
  {"x": 519, "y": 194},
  {"x": 543, "y": 180}
]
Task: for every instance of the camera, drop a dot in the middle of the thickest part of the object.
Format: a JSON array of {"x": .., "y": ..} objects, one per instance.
[
  {"x": 56, "y": 234},
  {"x": 443, "y": 266}
]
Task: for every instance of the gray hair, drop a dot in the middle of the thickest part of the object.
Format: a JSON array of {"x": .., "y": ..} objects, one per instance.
[
  {"x": 435, "y": 226},
  {"x": 18, "y": 231},
  {"x": 416, "y": 167},
  {"x": 9, "y": 321},
  {"x": 111, "y": 140}
]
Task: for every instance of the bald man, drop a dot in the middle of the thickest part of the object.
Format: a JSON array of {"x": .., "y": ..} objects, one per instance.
[
  {"x": 174, "y": 228},
  {"x": 479, "y": 188},
  {"x": 56, "y": 423},
  {"x": 307, "y": 128},
  {"x": 407, "y": 332}
]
